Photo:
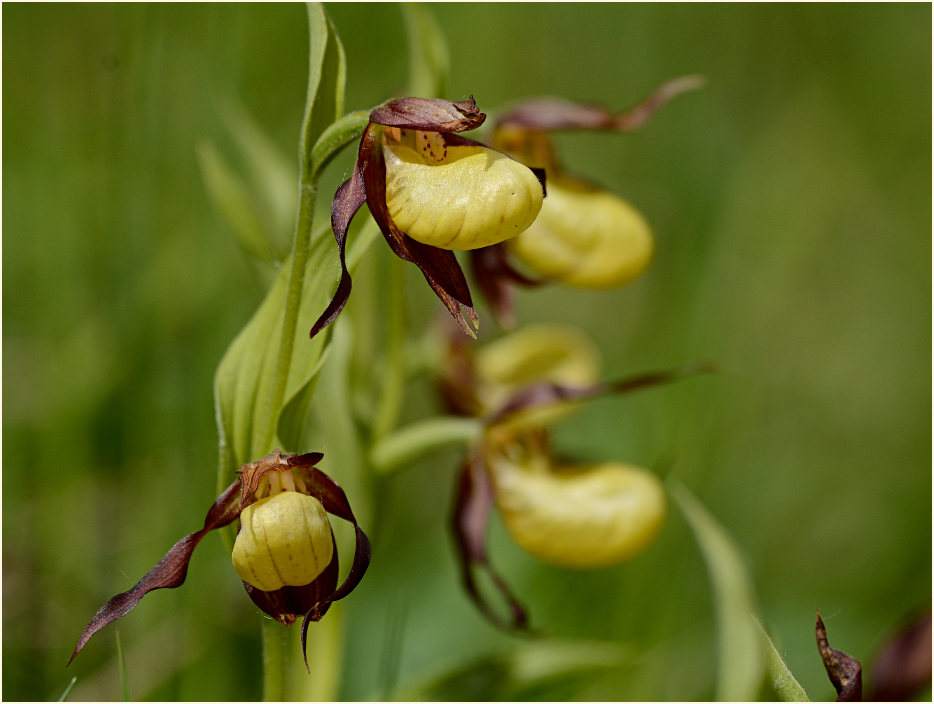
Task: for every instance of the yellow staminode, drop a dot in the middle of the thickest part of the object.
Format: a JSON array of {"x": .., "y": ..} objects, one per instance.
[
  {"x": 583, "y": 517},
  {"x": 284, "y": 540},
  {"x": 471, "y": 197},
  {"x": 585, "y": 237}
]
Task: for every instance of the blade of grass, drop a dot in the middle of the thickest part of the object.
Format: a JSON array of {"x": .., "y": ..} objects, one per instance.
[
  {"x": 740, "y": 668},
  {"x": 121, "y": 666},
  {"x": 68, "y": 689}
]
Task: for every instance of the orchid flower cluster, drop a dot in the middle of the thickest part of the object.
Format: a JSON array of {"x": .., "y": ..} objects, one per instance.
[{"x": 431, "y": 192}]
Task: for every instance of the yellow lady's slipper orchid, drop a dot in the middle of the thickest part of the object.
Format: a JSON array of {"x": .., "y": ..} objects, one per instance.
[
  {"x": 572, "y": 515},
  {"x": 284, "y": 551},
  {"x": 432, "y": 191}
]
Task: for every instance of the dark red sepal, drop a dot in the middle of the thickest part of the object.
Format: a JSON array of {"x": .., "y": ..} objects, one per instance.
[
  {"x": 472, "y": 502},
  {"x": 557, "y": 114},
  {"x": 347, "y": 201},
  {"x": 171, "y": 570},
  {"x": 335, "y": 502},
  {"x": 495, "y": 275},
  {"x": 429, "y": 114},
  {"x": 547, "y": 393}
]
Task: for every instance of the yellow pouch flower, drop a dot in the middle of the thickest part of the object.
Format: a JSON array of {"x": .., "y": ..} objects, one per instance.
[{"x": 585, "y": 237}]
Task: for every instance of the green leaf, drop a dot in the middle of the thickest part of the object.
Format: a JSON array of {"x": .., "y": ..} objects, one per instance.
[
  {"x": 267, "y": 367},
  {"x": 342, "y": 444},
  {"x": 741, "y": 663},
  {"x": 233, "y": 202},
  {"x": 327, "y": 71},
  {"x": 782, "y": 681},
  {"x": 271, "y": 173},
  {"x": 243, "y": 379},
  {"x": 429, "y": 61}
]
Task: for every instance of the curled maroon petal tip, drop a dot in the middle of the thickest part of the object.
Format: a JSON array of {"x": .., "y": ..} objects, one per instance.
[
  {"x": 472, "y": 502},
  {"x": 558, "y": 114}
]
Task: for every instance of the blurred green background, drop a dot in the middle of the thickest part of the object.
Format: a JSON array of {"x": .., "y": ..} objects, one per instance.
[{"x": 791, "y": 203}]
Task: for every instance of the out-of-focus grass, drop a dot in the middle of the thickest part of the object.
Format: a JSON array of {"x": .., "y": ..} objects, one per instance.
[{"x": 791, "y": 204}]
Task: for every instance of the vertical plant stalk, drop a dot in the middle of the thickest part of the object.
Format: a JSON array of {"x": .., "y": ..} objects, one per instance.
[
  {"x": 275, "y": 656},
  {"x": 265, "y": 432},
  {"x": 394, "y": 372},
  {"x": 278, "y": 659}
]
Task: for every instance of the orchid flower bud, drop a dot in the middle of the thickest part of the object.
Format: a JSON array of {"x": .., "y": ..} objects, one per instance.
[
  {"x": 580, "y": 516},
  {"x": 284, "y": 552},
  {"x": 585, "y": 237}
]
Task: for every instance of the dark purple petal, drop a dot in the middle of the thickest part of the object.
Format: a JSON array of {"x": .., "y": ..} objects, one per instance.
[
  {"x": 547, "y": 393},
  {"x": 558, "y": 114},
  {"x": 347, "y": 201},
  {"x": 844, "y": 671},
  {"x": 472, "y": 502},
  {"x": 429, "y": 114},
  {"x": 496, "y": 276},
  {"x": 171, "y": 570}
]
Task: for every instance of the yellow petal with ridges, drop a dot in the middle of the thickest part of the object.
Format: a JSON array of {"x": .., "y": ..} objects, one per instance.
[
  {"x": 473, "y": 197},
  {"x": 585, "y": 517},
  {"x": 284, "y": 540}
]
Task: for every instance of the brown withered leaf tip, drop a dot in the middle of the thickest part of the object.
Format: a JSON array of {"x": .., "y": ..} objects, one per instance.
[{"x": 844, "y": 671}]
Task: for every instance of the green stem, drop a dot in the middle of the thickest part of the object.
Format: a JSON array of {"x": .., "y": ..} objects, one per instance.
[
  {"x": 411, "y": 441},
  {"x": 275, "y": 644},
  {"x": 265, "y": 433},
  {"x": 394, "y": 370}
]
